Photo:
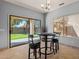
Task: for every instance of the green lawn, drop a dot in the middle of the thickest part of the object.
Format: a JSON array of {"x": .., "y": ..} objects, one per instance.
[{"x": 18, "y": 36}]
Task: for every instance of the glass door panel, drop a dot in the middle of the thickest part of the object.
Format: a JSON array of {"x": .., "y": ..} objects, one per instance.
[
  {"x": 35, "y": 27},
  {"x": 18, "y": 30}
]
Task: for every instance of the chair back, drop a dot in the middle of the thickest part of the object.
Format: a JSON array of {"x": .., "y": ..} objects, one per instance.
[
  {"x": 57, "y": 34},
  {"x": 30, "y": 38}
]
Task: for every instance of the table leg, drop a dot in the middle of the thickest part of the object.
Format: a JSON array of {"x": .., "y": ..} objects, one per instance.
[{"x": 46, "y": 47}]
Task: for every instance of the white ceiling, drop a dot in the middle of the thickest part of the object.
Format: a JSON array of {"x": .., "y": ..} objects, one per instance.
[{"x": 36, "y": 4}]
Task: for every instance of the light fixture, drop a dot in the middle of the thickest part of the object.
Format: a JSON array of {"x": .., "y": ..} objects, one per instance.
[
  {"x": 61, "y": 4},
  {"x": 46, "y": 5}
]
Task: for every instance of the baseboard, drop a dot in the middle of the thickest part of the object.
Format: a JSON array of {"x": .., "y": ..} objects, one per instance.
[
  {"x": 1, "y": 49},
  {"x": 69, "y": 45}
]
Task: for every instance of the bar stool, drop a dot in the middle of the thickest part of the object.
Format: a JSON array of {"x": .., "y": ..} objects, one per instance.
[
  {"x": 55, "y": 42},
  {"x": 34, "y": 45},
  {"x": 55, "y": 45},
  {"x": 49, "y": 39}
]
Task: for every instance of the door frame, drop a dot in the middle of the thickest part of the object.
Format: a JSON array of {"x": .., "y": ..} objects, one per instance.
[{"x": 28, "y": 28}]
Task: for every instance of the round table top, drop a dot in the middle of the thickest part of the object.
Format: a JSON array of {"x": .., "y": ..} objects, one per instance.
[{"x": 47, "y": 34}]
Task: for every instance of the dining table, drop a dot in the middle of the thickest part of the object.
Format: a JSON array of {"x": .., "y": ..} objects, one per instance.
[{"x": 46, "y": 39}]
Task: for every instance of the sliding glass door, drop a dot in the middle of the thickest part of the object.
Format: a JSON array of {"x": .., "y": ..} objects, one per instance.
[
  {"x": 19, "y": 30},
  {"x": 20, "y": 27}
]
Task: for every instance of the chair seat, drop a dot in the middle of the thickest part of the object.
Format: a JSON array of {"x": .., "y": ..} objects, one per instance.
[
  {"x": 55, "y": 40},
  {"x": 34, "y": 45}
]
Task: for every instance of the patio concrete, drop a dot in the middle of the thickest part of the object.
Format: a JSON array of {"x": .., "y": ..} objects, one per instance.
[{"x": 21, "y": 41}]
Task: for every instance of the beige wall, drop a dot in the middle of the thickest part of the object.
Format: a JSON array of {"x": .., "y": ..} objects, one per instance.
[
  {"x": 74, "y": 21},
  {"x": 63, "y": 11}
]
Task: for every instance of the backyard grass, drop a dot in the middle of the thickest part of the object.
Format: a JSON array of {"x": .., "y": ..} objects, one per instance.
[{"x": 18, "y": 36}]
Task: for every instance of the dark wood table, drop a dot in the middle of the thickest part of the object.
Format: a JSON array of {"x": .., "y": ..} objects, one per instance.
[{"x": 46, "y": 35}]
